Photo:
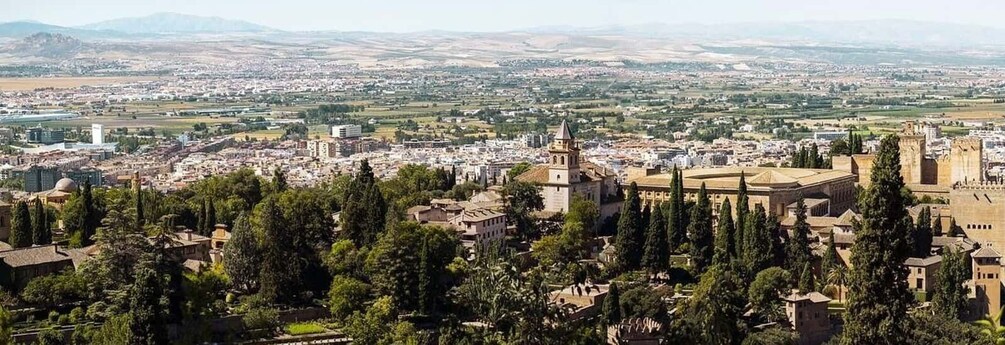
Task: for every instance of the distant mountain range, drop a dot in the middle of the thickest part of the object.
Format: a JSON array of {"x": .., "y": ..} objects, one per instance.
[
  {"x": 896, "y": 33},
  {"x": 162, "y": 23}
]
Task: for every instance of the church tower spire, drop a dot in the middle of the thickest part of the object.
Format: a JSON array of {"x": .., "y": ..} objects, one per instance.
[{"x": 564, "y": 167}]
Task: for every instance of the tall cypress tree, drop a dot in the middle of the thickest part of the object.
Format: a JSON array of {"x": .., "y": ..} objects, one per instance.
[
  {"x": 756, "y": 243},
  {"x": 426, "y": 277},
  {"x": 831, "y": 260},
  {"x": 629, "y": 237},
  {"x": 675, "y": 229},
  {"x": 91, "y": 216},
  {"x": 923, "y": 234},
  {"x": 774, "y": 229},
  {"x": 20, "y": 226},
  {"x": 140, "y": 221},
  {"x": 277, "y": 278},
  {"x": 725, "y": 243},
  {"x": 937, "y": 226},
  {"x": 878, "y": 295},
  {"x": 806, "y": 281},
  {"x": 201, "y": 218},
  {"x": 742, "y": 209},
  {"x": 950, "y": 300},
  {"x": 210, "y": 217},
  {"x": 41, "y": 231},
  {"x": 656, "y": 258},
  {"x": 363, "y": 208},
  {"x": 699, "y": 232},
  {"x": 612, "y": 306},
  {"x": 145, "y": 309},
  {"x": 798, "y": 249}
]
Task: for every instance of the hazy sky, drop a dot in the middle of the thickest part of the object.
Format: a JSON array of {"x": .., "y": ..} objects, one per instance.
[{"x": 499, "y": 15}]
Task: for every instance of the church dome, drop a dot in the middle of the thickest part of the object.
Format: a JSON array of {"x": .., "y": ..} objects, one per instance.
[{"x": 65, "y": 185}]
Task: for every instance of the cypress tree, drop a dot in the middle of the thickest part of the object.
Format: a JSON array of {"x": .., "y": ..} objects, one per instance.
[
  {"x": 91, "y": 216},
  {"x": 798, "y": 249},
  {"x": 20, "y": 226},
  {"x": 363, "y": 208},
  {"x": 656, "y": 258},
  {"x": 725, "y": 243},
  {"x": 201, "y": 218},
  {"x": 937, "y": 226},
  {"x": 139, "y": 209},
  {"x": 210, "y": 218},
  {"x": 742, "y": 209},
  {"x": 774, "y": 229},
  {"x": 41, "y": 231},
  {"x": 278, "y": 278},
  {"x": 814, "y": 157},
  {"x": 145, "y": 310},
  {"x": 831, "y": 260},
  {"x": 279, "y": 180},
  {"x": 923, "y": 234},
  {"x": 879, "y": 298},
  {"x": 756, "y": 243},
  {"x": 629, "y": 237},
  {"x": 806, "y": 282},
  {"x": 950, "y": 300},
  {"x": 700, "y": 232},
  {"x": 612, "y": 306},
  {"x": 425, "y": 278},
  {"x": 675, "y": 230},
  {"x": 953, "y": 228}
]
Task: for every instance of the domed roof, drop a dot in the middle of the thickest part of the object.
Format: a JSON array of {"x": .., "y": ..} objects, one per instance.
[{"x": 66, "y": 185}]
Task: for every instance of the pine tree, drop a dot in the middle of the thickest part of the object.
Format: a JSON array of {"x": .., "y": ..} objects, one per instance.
[
  {"x": 798, "y": 249},
  {"x": 277, "y": 278},
  {"x": 742, "y": 209},
  {"x": 806, "y": 282},
  {"x": 612, "y": 306},
  {"x": 241, "y": 257},
  {"x": 950, "y": 300},
  {"x": 700, "y": 232},
  {"x": 923, "y": 234},
  {"x": 725, "y": 243},
  {"x": 756, "y": 243},
  {"x": 41, "y": 230},
  {"x": 20, "y": 226},
  {"x": 656, "y": 258},
  {"x": 879, "y": 298},
  {"x": 629, "y": 237}
]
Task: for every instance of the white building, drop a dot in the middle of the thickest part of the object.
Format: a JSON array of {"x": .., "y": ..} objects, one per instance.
[
  {"x": 347, "y": 131},
  {"x": 97, "y": 134}
]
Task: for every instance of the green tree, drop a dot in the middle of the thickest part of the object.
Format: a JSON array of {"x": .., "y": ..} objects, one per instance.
[
  {"x": 140, "y": 219},
  {"x": 394, "y": 264},
  {"x": 830, "y": 260},
  {"x": 806, "y": 282},
  {"x": 923, "y": 234},
  {"x": 522, "y": 199},
  {"x": 879, "y": 297},
  {"x": 6, "y": 326},
  {"x": 211, "y": 220},
  {"x": 715, "y": 307},
  {"x": 20, "y": 226},
  {"x": 347, "y": 295},
  {"x": 950, "y": 300},
  {"x": 583, "y": 211},
  {"x": 242, "y": 258},
  {"x": 655, "y": 257},
  {"x": 279, "y": 183},
  {"x": 50, "y": 336},
  {"x": 798, "y": 252},
  {"x": 765, "y": 290},
  {"x": 937, "y": 226},
  {"x": 630, "y": 238},
  {"x": 41, "y": 228},
  {"x": 145, "y": 310},
  {"x": 699, "y": 232},
  {"x": 278, "y": 279},
  {"x": 364, "y": 209},
  {"x": 518, "y": 169},
  {"x": 757, "y": 253},
  {"x": 676, "y": 224},
  {"x": 74, "y": 219},
  {"x": 725, "y": 243},
  {"x": 612, "y": 305},
  {"x": 742, "y": 210}
]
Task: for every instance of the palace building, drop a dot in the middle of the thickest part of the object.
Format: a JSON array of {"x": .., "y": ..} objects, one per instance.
[{"x": 825, "y": 192}]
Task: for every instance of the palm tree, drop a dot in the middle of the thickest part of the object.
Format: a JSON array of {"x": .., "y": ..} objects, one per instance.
[
  {"x": 838, "y": 276},
  {"x": 991, "y": 327}
]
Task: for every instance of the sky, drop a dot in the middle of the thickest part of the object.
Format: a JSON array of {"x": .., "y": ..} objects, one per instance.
[{"x": 503, "y": 15}]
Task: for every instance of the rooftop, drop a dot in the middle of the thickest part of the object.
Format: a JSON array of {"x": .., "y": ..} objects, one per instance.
[{"x": 757, "y": 178}]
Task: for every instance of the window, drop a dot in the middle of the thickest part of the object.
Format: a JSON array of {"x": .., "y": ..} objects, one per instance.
[{"x": 918, "y": 283}]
